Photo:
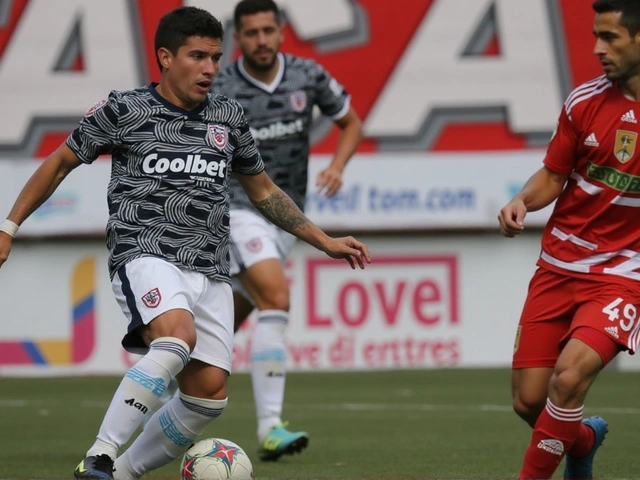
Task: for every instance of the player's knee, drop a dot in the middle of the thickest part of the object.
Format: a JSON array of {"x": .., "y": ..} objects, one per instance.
[
  {"x": 203, "y": 381},
  {"x": 177, "y": 323},
  {"x": 275, "y": 300},
  {"x": 187, "y": 335},
  {"x": 568, "y": 384}
]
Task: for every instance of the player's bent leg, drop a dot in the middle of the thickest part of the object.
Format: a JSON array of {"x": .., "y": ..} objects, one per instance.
[
  {"x": 579, "y": 460},
  {"x": 170, "y": 336},
  {"x": 268, "y": 286},
  {"x": 242, "y": 309},
  {"x": 175, "y": 426},
  {"x": 529, "y": 388},
  {"x": 560, "y": 425},
  {"x": 544, "y": 322}
]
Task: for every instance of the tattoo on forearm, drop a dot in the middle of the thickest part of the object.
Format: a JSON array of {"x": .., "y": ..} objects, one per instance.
[{"x": 283, "y": 212}]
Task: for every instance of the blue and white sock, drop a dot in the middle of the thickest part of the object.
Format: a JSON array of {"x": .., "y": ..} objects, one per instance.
[
  {"x": 139, "y": 392},
  {"x": 167, "y": 435}
]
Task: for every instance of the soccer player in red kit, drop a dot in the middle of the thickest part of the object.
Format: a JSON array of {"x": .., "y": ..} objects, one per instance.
[{"x": 583, "y": 300}]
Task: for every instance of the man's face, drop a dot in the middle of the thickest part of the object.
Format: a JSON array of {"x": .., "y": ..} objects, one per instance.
[
  {"x": 190, "y": 73},
  {"x": 259, "y": 37},
  {"x": 618, "y": 51}
]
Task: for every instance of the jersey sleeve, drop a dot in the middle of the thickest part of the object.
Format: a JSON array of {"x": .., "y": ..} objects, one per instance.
[
  {"x": 246, "y": 158},
  {"x": 97, "y": 132},
  {"x": 331, "y": 97},
  {"x": 562, "y": 151}
]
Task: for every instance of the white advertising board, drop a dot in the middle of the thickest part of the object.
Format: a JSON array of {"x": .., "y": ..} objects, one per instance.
[
  {"x": 425, "y": 302},
  {"x": 381, "y": 192}
]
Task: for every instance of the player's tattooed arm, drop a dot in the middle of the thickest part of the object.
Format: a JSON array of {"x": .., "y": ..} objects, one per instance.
[
  {"x": 278, "y": 208},
  {"x": 283, "y": 212}
]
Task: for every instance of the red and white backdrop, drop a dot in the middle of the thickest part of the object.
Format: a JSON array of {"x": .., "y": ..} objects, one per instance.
[
  {"x": 471, "y": 88},
  {"x": 447, "y": 75},
  {"x": 458, "y": 99}
]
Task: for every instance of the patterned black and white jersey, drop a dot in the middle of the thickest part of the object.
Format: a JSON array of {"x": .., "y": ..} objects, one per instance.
[
  {"x": 280, "y": 117},
  {"x": 168, "y": 195}
]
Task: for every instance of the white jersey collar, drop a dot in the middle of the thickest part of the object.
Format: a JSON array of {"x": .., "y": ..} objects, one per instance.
[{"x": 267, "y": 87}]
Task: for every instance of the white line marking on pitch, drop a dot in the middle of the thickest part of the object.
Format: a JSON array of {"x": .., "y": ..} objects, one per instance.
[{"x": 352, "y": 407}]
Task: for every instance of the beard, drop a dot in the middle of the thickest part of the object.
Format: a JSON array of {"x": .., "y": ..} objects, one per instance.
[{"x": 266, "y": 66}]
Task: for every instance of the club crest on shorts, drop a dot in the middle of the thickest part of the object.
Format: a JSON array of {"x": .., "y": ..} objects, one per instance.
[
  {"x": 298, "y": 100},
  {"x": 254, "y": 245},
  {"x": 95, "y": 108},
  {"x": 152, "y": 298},
  {"x": 625, "y": 145},
  {"x": 218, "y": 135}
]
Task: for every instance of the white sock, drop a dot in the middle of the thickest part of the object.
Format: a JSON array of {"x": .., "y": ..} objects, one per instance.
[
  {"x": 139, "y": 392},
  {"x": 168, "y": 434},
  {"x": 268, "y": 368}
]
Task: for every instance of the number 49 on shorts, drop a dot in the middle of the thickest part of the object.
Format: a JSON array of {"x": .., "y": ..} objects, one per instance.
[{"x": 629, "y": 313}]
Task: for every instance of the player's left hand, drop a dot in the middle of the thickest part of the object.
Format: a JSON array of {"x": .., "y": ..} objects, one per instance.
[
  {"x": 329, "y": 181},
  {"x": 350, "y": 249}
]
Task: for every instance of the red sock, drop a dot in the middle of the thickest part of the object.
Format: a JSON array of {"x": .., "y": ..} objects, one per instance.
[
  {"x": 584, "y": 442},
  {"x": 555, "y": 431}
]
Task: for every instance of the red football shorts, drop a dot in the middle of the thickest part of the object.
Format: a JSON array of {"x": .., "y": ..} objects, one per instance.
[{"x": 559, "y": 307}]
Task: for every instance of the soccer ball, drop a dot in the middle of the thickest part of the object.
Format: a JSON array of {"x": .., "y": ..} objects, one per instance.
[{"x": 216, "y": 459}]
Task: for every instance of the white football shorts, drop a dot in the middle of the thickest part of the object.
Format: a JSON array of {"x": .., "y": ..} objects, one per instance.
[
  {"x": 253, "y": 239},
  {"x": 147, "y": 287}
]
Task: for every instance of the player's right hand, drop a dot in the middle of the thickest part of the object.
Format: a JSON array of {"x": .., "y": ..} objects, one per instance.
[
  {"x": 352, "y": 250},
  {"x": 5, "y": 246},
  {"x": 511, "y": 218}
]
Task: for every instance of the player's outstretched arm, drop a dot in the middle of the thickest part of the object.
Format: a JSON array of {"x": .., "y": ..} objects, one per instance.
[
  {"x": 36, "y": 191},
  {"x": 278, "y": 208},
  {"x": 541, "y": 189},
  {"x": 329, "y": 180}
]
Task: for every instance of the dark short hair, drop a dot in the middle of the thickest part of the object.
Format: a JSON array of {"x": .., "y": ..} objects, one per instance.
[
  {"x": 630, "y": 10},
  {"x": 251, "y": 7},
  {"x": 179, "y": 24}
]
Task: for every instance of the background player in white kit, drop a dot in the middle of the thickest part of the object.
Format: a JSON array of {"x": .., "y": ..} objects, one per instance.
[
  {"x": 278, "y": 93},
  {"x": 172, "y": 145}
]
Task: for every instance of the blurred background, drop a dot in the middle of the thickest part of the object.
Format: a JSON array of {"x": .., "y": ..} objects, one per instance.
[{"x": 458, "y": 99}]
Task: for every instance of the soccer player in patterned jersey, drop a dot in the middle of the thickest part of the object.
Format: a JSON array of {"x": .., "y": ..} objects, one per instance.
[
  {"x": 173, "y": 145},
  {"x": 583, "y": 303},
  {"x": 278, "y": 93}
]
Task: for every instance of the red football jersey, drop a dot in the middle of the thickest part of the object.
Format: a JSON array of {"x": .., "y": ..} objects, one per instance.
[{"x": 594, "y": 229}]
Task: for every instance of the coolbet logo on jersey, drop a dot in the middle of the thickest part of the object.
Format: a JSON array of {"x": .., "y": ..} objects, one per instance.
[
  {"x": 192, "y": 166},
  {"x": 277, "y": 130}
]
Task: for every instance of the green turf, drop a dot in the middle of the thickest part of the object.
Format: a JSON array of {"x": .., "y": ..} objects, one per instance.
[{"x": 448, "y": 424}]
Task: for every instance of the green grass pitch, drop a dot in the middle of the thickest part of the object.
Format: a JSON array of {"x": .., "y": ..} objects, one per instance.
[{"x": 445, "y": 424}]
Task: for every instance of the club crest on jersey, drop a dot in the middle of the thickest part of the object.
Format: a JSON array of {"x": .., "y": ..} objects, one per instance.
[
  {"x": 152, "y": 298},
  {"x": 95, "y": 108},
  {"x": 298, "y": 100},
  {"x": 625, "y": 145},
  {"x": 218, "y": 135}
]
